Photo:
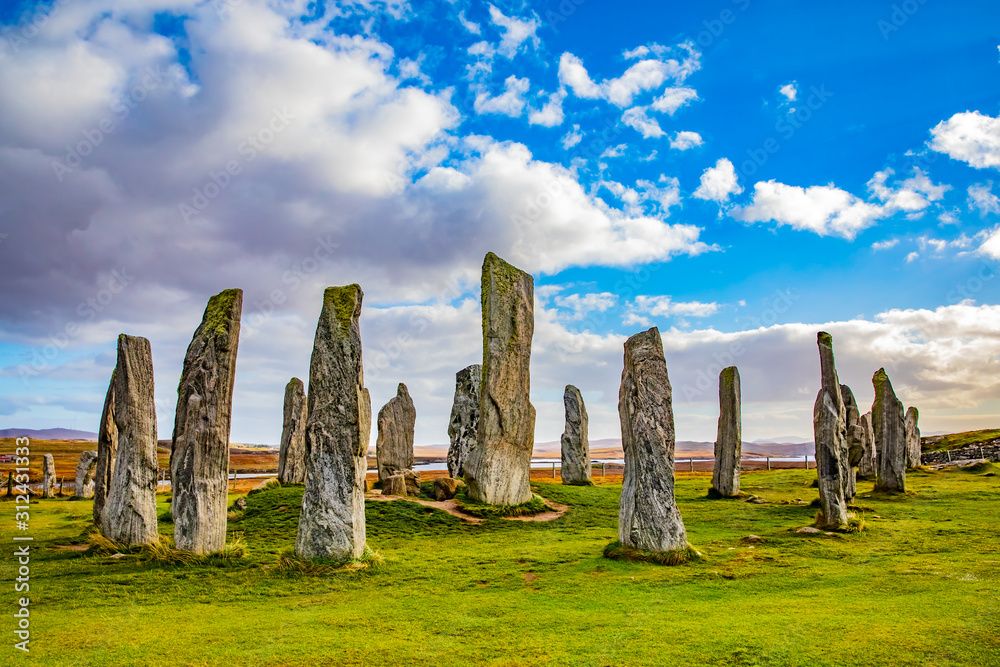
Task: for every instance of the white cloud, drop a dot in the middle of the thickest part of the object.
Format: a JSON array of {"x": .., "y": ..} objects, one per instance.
[
  {"x": 637, "y": 119},
  {"x": 473, "y": 28},
  {"x": 684, "y": 140},
  {"x": 581, "y": 305},
  {"x": 823, "y": 209},
  {"x": 790, "y": 91},
  {"x": 641, "y": 77},
  {"x": 646, "y": 196},
  {"x": 718, "y": 182},
  {"x": 572, "y": 138},
  {"x": 664, "y": 306},
  {"x": 912, "y": 256},
  {"x": 913, "y": 194},
  {"x": 982, "y": 199},
  {"x": 515, "y": 32},
  {"x": 673, "y": 99},
  {"x": 969, "y": 137},
  {"x": 614, "y": 151},
  {"x": 509, "y": 103},
  {"x": 483, "y": 64},
  {"x": 551, "y": 114},
  {"x": 991, "y": 246},
  {"x": 885, "y": 245}
]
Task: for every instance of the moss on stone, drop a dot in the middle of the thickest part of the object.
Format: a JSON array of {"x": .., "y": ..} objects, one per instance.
[
  {"x": 825, "y": 339},
  {"x": 729, "y": 375},
  {"x": 342, "y": 301},
  {"x": 219, "y": 310}
]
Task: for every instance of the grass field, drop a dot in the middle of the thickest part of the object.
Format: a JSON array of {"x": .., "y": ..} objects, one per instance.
[
  {"x": 921, "y": 586},
  {"x": 940, "y": 443}
]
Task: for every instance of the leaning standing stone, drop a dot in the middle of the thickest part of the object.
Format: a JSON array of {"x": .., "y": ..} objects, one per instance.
[
  {"x": 575, "y": 441},
  {"x": 130, "y": 511},
  {"x": 199, "y": 459},
  {"x": 868, "y": 465},
  {"x": 830, "y": 432},
  {"x": 854, "y": 441},
  {"x": 497, "y": 470},
  {"x": 394, "y": 446},
  {"x": 107, "y": 450},
  {"x": 292, "y": 451},
  {"x": 729, "y": 443},
  {"x": 48, "y": 476},
  {"x": 912, "y": 432},
  {"x": 890, "y": 435},
  {"x": 85, "y": 470},
  {"x": 648, "y": 517},
  {"x": 464, "y": 418},
  {"x": 332, "y": 522}
]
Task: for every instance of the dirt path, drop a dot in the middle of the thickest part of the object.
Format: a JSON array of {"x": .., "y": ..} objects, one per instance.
[{"x": 451, "y": 507}]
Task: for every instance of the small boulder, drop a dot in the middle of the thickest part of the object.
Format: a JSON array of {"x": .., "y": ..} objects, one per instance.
[
  {"x": 412, "y": 479},
  {"x": 394, "y": 485},
  {"x": 240, "y": 504},
  {"x": 753, "y": 539},
  {"x": 445, "y": 488},
  {"x": 808, "y": 530}
]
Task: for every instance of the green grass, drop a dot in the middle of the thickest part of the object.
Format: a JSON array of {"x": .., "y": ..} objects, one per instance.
[
  {"x": 943, "y": 443},
  {"x": 919, "y": 586},
  {"x": 484, "y": 511}
]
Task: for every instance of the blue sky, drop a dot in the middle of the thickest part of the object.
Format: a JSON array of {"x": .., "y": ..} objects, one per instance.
[{"x": 740, "y": 174}]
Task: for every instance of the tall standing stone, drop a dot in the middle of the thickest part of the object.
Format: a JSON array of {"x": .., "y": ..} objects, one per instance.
[
  {"x": 854, "y": 441},
  {"x": 575, "y": 440},
  {"x": 85, "y": 470},
  {"x": 332, "y": 522},
  {"x": 292, "y": 451},
  {"x": 107, "y": 450},
  {"x": 199, "y": 458},
  {"x": 648, "y": 517},
  {"x": 130, "y": 510},
  {"x": 464, "y": 425},
  {"x": 890, "y": 435},
  {"x": 830, "y": 432},
  {"x": 497, "y": 470},
  {"x": 48, "y": 476},
  {"x": 912, "y": 432},
  {"x": 394, "y": 445},
  {"x": 729, "y": 441},
  {"x": 868, "y": 465}
]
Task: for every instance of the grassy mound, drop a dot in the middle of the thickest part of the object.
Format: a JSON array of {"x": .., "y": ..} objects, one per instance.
[
  {"x": 536, "y": 505},
  {"x": 981, "y": 468},
  {"x": 618, "y": 551},
  {"x": 941, "y": 443}
]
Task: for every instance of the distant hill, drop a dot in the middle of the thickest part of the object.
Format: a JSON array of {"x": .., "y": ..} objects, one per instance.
[
  {"x": 48, "y": 434},
  {"x": 783, "y": 440}
]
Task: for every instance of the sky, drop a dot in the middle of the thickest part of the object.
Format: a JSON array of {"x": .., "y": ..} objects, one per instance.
[{"x": 740, "y": 174}]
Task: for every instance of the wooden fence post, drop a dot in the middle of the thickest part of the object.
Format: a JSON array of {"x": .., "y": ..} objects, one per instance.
[{"x": 769, "y": 464}]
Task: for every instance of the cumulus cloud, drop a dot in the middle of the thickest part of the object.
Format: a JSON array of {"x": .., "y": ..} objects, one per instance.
[
  {"x": 718, "y": 183},
  {"x": 885, "y": 245},
  {"x": 639, "y": 120},
  {"x": 551, "y": 114},
  {"x": 471, "y": 26},
  {"x": 982, "y": 199},
  {"x": 515, "y": 32},
  {"x": 790, "y": 91},
  {"x": 643, "y": 76},
  {"x": 823, "y": 209},
  {"x": 508, "y": 103},
  {"x": 913, "y": 194},
  {"x": 644, "y": 308},
  {"x": 673, "y": 99},
  {"x": 969, "y": 137},
  {"x": 582, "y": 305},
  {"x": 572, "y": 138},
  {"x": 684, "y": 140}
]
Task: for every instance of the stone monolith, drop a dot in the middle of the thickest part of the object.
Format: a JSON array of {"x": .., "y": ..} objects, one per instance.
[
  {"x": 332, "y": 522},
  {"x": 292, "y": 451},
  {"x": 497, "y": 470},
  {"x": 394, "y": 445},
  {"x": 890, "y": 435},
  {"x": 728, "y": 443},
  {"x": 575, "y": 441},
  {"x": 830, "y": 433},
  {"x": 199, "y": 458},
  {"x": 48, "y": 476},
  {"x": 868, "y": 465},
  {"x": 854, "y": 442},
  {"x": 130, "y": 509},
  {"x": 85, "y": 470},
  {"x": 912, "y": 434},
  {"x": 107, "y": 450},
  {"x": 462, "y": 429},
  {"x": 648, "y": 517}
]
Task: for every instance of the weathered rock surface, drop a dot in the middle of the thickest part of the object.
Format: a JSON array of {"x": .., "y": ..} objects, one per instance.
[
  {"x": 498, "y": 467},
  {"x": 830, "y": 432},
  {"x": 575, "y": 441},
  {"x": 412, "y": 480},
  {"x": 332, "y": 523},
  {"x": 648, "y": 517},
  {"x": 85, "y": 470},
  {"x": 48, "y": 476},
  {"x": 912, "y": 433},
  {"x": 445, "y": 488},
  {"x": 394, "y": 485},
  {"x": 130, "y": 509},
  {"x": 292, "y": 451},
  {"x": 854, "y": 440},
  {"x": 464, "y": 425},
  {"x": 394, "y": 446},
  {"x": 199, "y": 458},
  {"x": 868, "y": 465},
  {"x": 890, "y": 435},
  {"x": 729, "y": 442},
  {"x": 107, "y": 450}
]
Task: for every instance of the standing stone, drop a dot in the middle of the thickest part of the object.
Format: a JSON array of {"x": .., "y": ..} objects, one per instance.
[
  {"x": 868, "y": 465},
  {"x": 130, "y": 510},
  {"x": 48, "y": 476},
  {"x": 890, "y": 436},
  {"x": 199, "y": 458},
  {"x": 332, "y": 522},
  {"x": 912, "y": 432},
  {"x": 464, "y": 418},
  {"x": 830, "y": 432},
  {"x": 498, "y": 468},
  {"x": 854, "y": 441},
  {"x": 729, "y": 443},
  {"x": 575, "y": 441},
  {"x": 107, "y": 449},
  {"x": 648, "y": 517},
  {"x": 394, "y": 445},
  {"x": 85, "y": 470},
  {"x": 292, "y": 453}
]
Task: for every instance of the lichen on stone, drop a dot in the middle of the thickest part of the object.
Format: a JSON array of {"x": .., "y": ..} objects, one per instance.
[{"x": 343, "y": 302}]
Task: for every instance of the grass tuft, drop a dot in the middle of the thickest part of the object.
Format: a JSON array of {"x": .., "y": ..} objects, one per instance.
[
  {"x": 536, "y": 505},
  {"x": 162, "y": 551},
  {"x": 618, "y": 551},
  {"x": 272, "y": 483},
  {"x": 288, "y": 561}
]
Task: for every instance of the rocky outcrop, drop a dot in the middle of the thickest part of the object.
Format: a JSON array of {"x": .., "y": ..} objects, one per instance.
[
  {"x": 854, "y": 440},
  {"x": 332, "y": 522},
  {"x": 890, "y": 435},
  {"x": 868, "y": 465},
  {"x": 648, "y": 517},
  {"x": 464, "y": 424},
  {"x": 107, "y": 450},
  {"x": 729, "y": 441},
  {"x": 575, "y": 441},
  {"x": 85, "y": 470},
  {"x": 445, "y": 488},
  {"x": 130, "y": 510},
  {"x": 199, "y": 458},
  {"x": 394, "y": 446},
  {"x": 498, "y": 467},
  {"x": 48, "y": 476},
  {"x": 292, "y": 451},
  {"x": 912, "y": 435},
  {"x": 830, "y": 432}
]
